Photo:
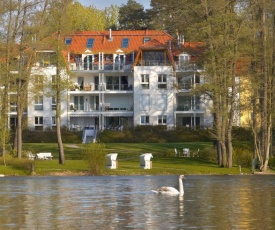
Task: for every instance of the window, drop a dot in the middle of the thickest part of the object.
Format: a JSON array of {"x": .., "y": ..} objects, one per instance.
[
  {"x": 13, "y": 103},
  {"x": 162, "y": 81},
  {"x": 38, "y": 81},
  {"x": 125, "y": 43},
  {"x": 38, "y": 103},
  {"x": 144, "y": 81},
  {"x": 38, "y": 121},
  {"x": 162, "y": 120},
  {"x": 68, "y": 41},
  {"x": 53, "y": 121},
  {"x": 53, "y": 103},
  {"x": 144, "y": 120},
  {"x": 185, "y": 82},
  {"x": 146, "y": 39},
  {"x": 184, "y": 103},
  {"x": 184, "y": 58},
  {"x": 79, "y": 102},
  {"x": 112, "y": 82},
  {"x": 90, "y": 43}
]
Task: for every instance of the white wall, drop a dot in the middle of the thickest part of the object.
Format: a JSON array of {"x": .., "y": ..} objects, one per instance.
[{"x": 153, "y": 101}]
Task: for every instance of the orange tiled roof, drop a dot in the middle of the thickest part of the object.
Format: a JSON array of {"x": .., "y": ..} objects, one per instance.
[
  {"x": 102, "y": 43},
  {"x": 192, "y": 48}
]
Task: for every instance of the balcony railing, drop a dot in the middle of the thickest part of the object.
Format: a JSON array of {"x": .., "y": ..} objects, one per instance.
[
  {"x": 116, "y": 107},
  {"x": 102, "y": 107},
  {"x": 186, "y": 66},
  {"x": 184, "y": 86},
  {"x": 188, "y": 107},
  {"x": 100, "y": 87},
  {"x": 93, "y": 66}
]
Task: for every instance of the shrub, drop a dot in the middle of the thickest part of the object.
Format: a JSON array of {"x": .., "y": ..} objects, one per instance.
[
  {"x": 49, "y": 136},
  {"x": 94, "y": 154},
  {"x": 21, "y": 164},
  {"x": 242, "y": 157},
  {"x": 167, "y": 153},
  {"x": 209, "y": 154},
  {"x": 271, "y": 162}
]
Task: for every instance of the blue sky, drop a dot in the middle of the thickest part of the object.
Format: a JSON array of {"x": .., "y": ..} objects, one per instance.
[{"x": 101, "y": 4}]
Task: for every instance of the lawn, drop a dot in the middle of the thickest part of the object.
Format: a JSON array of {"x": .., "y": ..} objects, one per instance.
[{"x": 128, "y": 160}]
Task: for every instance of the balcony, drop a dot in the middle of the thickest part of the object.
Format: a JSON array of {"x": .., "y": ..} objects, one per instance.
[
  {"x": 184, "y": 86},
  {"x": 116, "y": 107},
  {"x": 186, "y": 66},
  {"x": 95, "y": 66},
  {"x": 188, "y": 107},
  {"x": 154, "y": 63},
  {"x": 101, "y": 87}
]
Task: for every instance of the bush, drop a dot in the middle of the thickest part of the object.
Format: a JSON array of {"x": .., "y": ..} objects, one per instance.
[
  {"x": 242, "y": 157},
  {"x": 167, "y": 153},
  {"x": 94, "y": 154},
  {"x": 49, "y": 136},
  {"x": 271, "y": 162},
  {"x": 209, "y": 154},
  {"x": 21, "y": 164}
]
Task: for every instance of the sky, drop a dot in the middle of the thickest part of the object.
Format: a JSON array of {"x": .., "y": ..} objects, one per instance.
[{"x": 101, "y": 4}]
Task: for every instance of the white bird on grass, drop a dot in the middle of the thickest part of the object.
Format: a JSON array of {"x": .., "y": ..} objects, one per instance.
[{"x": 171, "y": 190}]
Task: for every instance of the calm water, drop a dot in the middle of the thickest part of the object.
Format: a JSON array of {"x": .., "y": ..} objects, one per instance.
[{"x": 126, "y": 202}]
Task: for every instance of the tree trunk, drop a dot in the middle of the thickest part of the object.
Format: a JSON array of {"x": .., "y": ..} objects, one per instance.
[{"x": 58, "y": 105}]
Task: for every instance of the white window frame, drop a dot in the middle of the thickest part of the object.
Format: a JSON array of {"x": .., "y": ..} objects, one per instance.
[
  {"x": 68, "y": 41},
  {"x": 162, "y": 120},
  {"x": 38, "y": 103},
  {"x": 144, "y": 81},
  {"x": 184, "y": 58},
  {"x": 162, "y": 81},
  {"x": 53, "y": 121},
  {"x": 146, "y": 39},
  {"x": 53, "y": 103},
  {"x": 144, "y": 120},
  {"x": 38, "y": 121}
]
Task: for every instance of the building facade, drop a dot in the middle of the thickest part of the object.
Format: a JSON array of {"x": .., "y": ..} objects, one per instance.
[{"x": 122, "y": 78}]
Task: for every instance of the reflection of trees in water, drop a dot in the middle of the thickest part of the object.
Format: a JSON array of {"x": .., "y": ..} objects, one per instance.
[{"x": 220, "y": 202}]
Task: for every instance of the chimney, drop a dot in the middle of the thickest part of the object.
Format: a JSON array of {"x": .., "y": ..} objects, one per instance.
[{"x": 110, "y": 35}]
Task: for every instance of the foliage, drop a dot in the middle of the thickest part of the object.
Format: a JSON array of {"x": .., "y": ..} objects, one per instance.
[
  {"x": 208, "y": 154},
  {"x": 272, "y": 162},
  {"x": 132, "y": 16},
  {"x": 49, "y": 136},
  {"x": 83, "y": 18},
  {"x": 154, "y": 134},
  {"x": 242, "y": 134},
  {"x": 242, "y": 157},
  {"x": 94, "y": 154},
  {"x": 24, "y": 165}
]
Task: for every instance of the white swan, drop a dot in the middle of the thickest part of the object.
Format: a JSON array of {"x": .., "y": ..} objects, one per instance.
[{"x": 171, "y": 190}]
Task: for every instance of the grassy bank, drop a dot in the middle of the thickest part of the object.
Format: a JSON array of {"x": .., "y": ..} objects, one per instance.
[{"x": 164, "y": 161}]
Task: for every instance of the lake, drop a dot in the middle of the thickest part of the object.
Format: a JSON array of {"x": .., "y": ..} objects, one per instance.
[{"x": 126, "y": 202}]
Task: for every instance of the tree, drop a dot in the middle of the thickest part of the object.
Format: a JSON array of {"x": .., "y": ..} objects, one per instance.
[
  {"x": 219, "y": 25},
  {"x": 112, "y": 16},
  {"x": 60, "y": 21},
  {"x": 132, "y": 16},
  {"x": 86, "y": 18},
  {"x": 262, "y": 75}
]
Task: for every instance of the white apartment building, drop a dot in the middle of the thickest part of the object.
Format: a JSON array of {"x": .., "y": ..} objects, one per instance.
[{"x": 123, "y": 78}]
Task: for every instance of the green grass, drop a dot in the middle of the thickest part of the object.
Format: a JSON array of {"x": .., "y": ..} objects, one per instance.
[{"x": 128, "y": 160}]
